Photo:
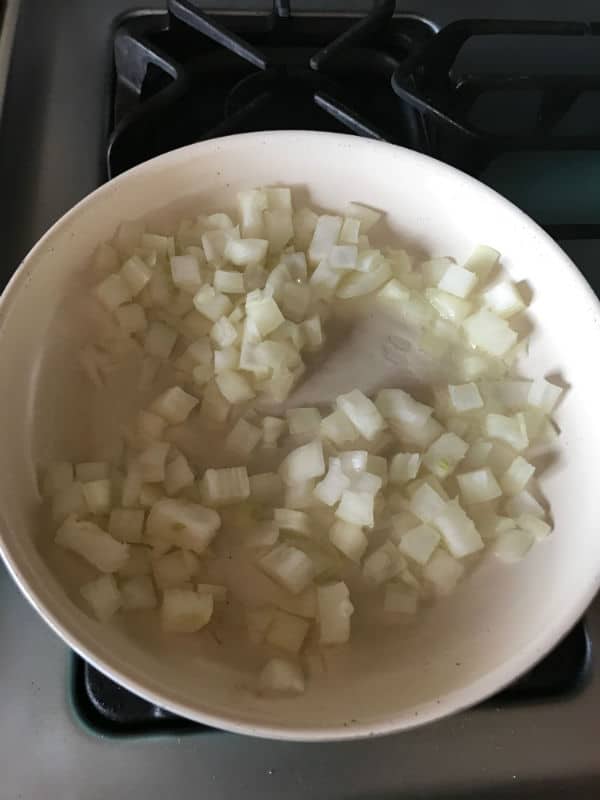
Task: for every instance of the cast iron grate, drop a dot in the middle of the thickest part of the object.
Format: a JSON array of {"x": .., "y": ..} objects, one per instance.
[
  {"x": 110, "y": 710},
  {"x": 187, "y": 75}
]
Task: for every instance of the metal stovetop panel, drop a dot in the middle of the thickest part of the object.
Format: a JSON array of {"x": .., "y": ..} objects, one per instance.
[{"x": 51, "y": 139}]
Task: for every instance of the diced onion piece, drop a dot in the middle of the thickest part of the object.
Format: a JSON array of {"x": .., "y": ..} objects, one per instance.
[
  {"x": 458, "y": 281},
  {"x": 404, "y": 467},
  {"x": 251, "y": 204},
  {"x": 273, "y": 428},
  {"x": 305, "y": 221},
  {"x": 335, "y": 611},
  {"x": 264, "y": 534},
  {"x": 225, "y": 360},
  {"x": 138, "y": 592},
  {"x": 185, "y": 611},
  {"x": 434, "y": 270},
  {"x": 93, "y": 544},
  {"x": 444, "y": 454},
  {"x": 396, "y": 404},
  {"x": 174, "y": 405},
  {"x": 325, "y": 236},
  {"x": 243, "y": 438},
  {"x": 489, "y": 332},
  {"x": 287, "y": 632},
  {"x": 182, "y": 524},
  {"x": 443, "y": 572},
  {"x": 460, "y": 534},
  {"x": 417, "y": 436},
  {"x": 504, "y": 299},
  {"x": 113, "y": 292},
  {"x": 523, "y": 503},
  {"x": 278, "y": 228},
  {"x": 367, "y": 216},
  {"x": 212, "y": 304},
  {"x": 312, "y": 332},
  {"x": 338, "y": 429},
  {"x": 103, "y": 596},
  {"x": 333, "y": 485},
  {"x": 246, "y": 252},
  {"x": 448, "y": 306},
  {"x": 150, "y": 426},
  {"x": 350, "y": 230},
  {"x": 303, "y": 422},
  {"x": 343, "y": 256},
  {"x": 426, "y": 503},
  {"x": 58, "y": 476},
  {"x": 512, "y": 546},
  {"x": 356, "y": 508},
  {"x": 383, "y": 564},
  {"x": 348, "y": 539},
  {"x": 225, "y": 486},
  {"x": 159, "y": 340},
  {"x": 149, "y": 495},
  {"x": 362, "y": 413},
  {"x": 185, "y": 272},
  {"x": 303, "y": 463},
  {"x": 401, "y": 522},
  {"x": 178, "y": 475},
  {"x": 353, "y": 461},
  {"x": 234, "y": 387},
  {"x": 544, "y": 395},
  {"x": 214, "y": 405},
  {"x": 228, "y": 282},
  {"x": 288, "y": 566},
  {"x": 278, "y": 197},
  {"x": 324, "y": 280},
  {"x": 465, "y": 397},
  {"x": 482, "y": 261},
  {"x": 97, "y": 496},
  {"x": 358, "y": 284},
  {"x": 263, "y": 312},
  {"x": 517, "y": 476},
  {"x": 295, "y": 300},
  {"x": 152, "y": 462},
  {"x": 478, "y": 455},
  {"x": 282, "y": 677},
  {"x": 174, "y": 569},
  {"x": 223, "y": 333},
  {"x": 539, "y": 528},
  {"x": 126, "y": 524},
  {"x": 419, "y": 543},
  {"x": 289, "y": 519},
  {"x": 399, "y": 599},
  {"x": 366, "y": 482},
  {"x": 511, "y": 430},
  {"x": 478, "y": 486},
  {"x": 132, "y": 318}
]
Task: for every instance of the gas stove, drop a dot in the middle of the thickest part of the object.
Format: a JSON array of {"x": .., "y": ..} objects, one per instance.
[{"x": 512, "y": 100}]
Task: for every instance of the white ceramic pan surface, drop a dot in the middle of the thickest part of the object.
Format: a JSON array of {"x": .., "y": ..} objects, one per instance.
[{"x": 500, "y": 621}]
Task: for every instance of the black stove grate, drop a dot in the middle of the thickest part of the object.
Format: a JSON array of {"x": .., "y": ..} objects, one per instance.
[
  {"x": 187, "y": 75},
  {"x": 110, "y": 710}
]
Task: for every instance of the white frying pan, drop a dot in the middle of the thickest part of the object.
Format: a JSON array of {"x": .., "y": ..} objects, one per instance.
[{"x": 500, "y": 621}]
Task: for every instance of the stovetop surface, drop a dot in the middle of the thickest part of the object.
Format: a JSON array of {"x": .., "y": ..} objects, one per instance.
[{"x": 61, "y": 729}]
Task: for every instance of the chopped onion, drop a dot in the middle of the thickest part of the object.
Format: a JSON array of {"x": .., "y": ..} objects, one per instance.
[
  {"x": 419, "y": 543},
  {"x": 126, "y": 524},
  {"x": 504, "y": 299},
  {"x": 444, "y": 454},
  {"x": 138, "y": 593},
  {"x": 443, "y": 572},
  {"x": 459, "y": 532},
  {"x": 517, "y": 476},
  {"x": 457, "y": 281},
  {"x": 303, "y": 463},
  {"x": 478, "y": 486},
  {"x": 362, "y": 413},
  {"x": 289, "y": 566},
  {"x": 182, "y": 524},
  {"x": 103, "y": 596},
  {"x": 174, "y": 405},
  {"x": 93, "y": 544},
  {"x": 489, "y": 332},
  {"x": 325, "y": 236},
  {"x": 335, "y": 611},
  {"x": 349, "y": 539},
  {"x": 356, "y": 508},
  {"x": 185, "y": 611},
  {"x": 225, "y": 486},
  {"x": 282, "y": 677},
  {"x": 512, "y": 546}
]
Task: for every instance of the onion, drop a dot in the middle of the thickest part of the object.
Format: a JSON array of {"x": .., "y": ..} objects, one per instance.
[{"x": 355, "y": 501}]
